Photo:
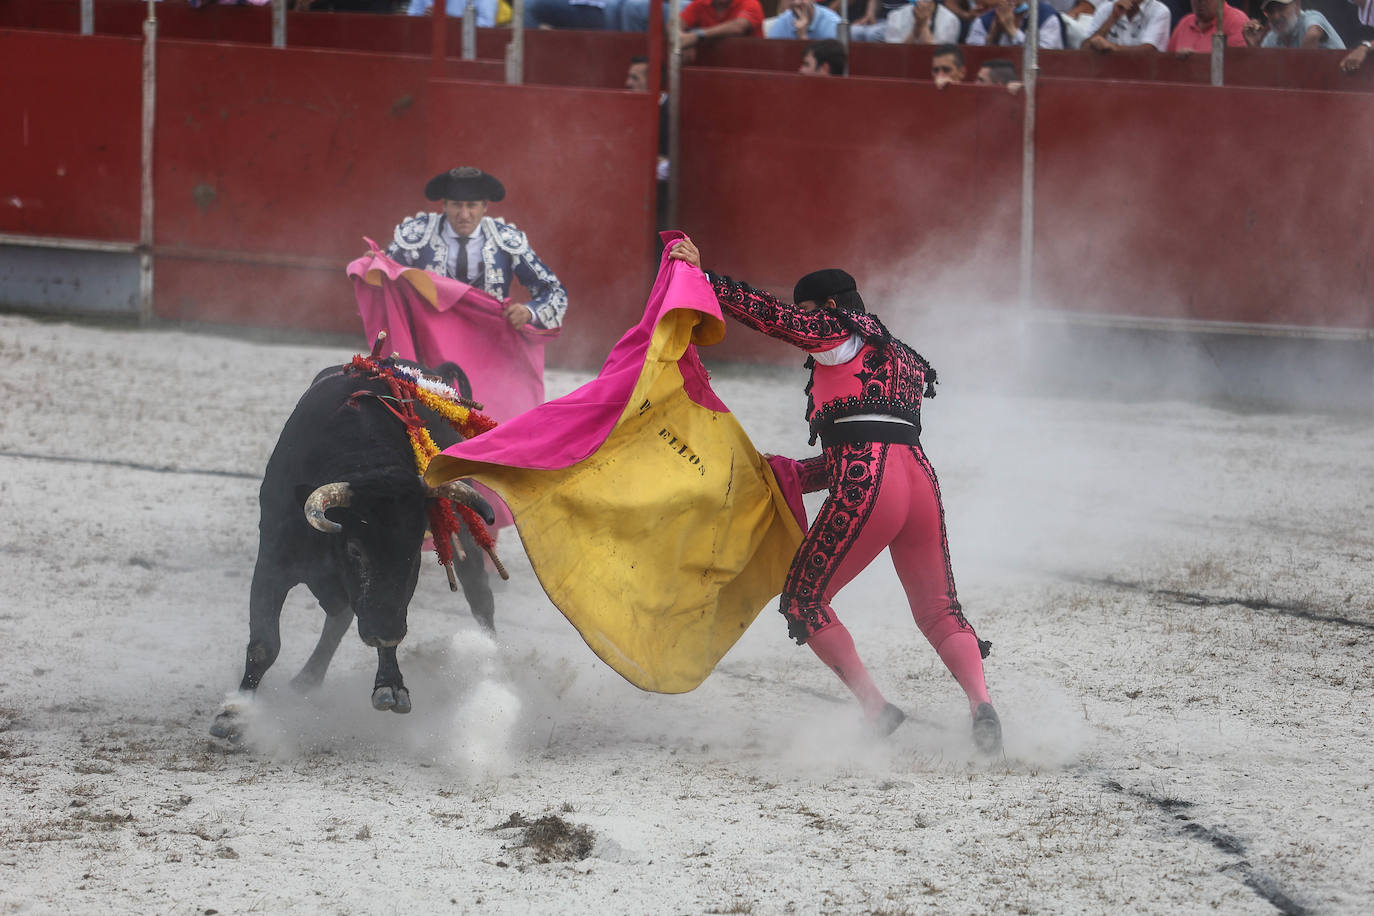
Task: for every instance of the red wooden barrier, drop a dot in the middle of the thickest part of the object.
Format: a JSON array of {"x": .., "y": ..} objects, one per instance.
[
  {"x": 283, "y": 151},
  {"x": 57, "y": 15},
  {"x": 574, "y": 58},
  {"x": 1270, "y": 67},
  {"x": 581, "y": 185},
  {"x": 599, "y": 59},
  {"x": 70, "y": 135},
  {"x": 866, "y": 58},
  {"x": 1244, "y": 66},
  {"x": 552, "y": 57},
  {"x": 1282, "y": 68},
  {"x": 368, "y": 32},
  {"x": 286, "y": 156},
  {"x": 249, "y": 24},
  {"x": 278, "y": 162},
  {"x": 1243, "y": 205},
  {"x": 1153, "y": 199},
  {"x": 893, "y": 180}
]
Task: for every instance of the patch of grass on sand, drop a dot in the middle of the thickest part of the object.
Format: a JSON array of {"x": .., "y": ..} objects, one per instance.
[{"x": 552, "y": 839}]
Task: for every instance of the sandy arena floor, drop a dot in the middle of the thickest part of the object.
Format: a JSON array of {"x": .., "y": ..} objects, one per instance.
[{"x": 1181, "y": 601}]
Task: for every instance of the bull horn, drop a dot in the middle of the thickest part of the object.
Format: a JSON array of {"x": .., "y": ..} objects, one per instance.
[
  {"x": 458, "y": 491},
  {"x": 327, "y": 497}
]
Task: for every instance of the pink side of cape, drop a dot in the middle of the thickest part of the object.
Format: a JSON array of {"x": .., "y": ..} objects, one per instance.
[
  {"x": 464, "y": 325},
  {"x": 789, "y": 482},
  {"x": 562, "y": 432}
]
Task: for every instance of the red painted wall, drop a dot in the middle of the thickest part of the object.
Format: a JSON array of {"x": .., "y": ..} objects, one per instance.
[
  {"x": 581, "y": 186},
  {"x": 271, "y": 164},
  {"x": 1282, "y": 68},
  {"x": 278, "y": 162},
  {"x": 60, "y": 15},
  {"x": 552, "y": 57},
  {"x": 1242, "y": 205},
  {"x": 598, "y": 59},
  {"x": 574, "y": 58},
  {"x": 264, "y": 153},
  {"x": 893, "y": 180},
  {"x": 1243, "y": 66},
  {"x": 70, "y": 135},
  {"x": 252, "y": 24}
]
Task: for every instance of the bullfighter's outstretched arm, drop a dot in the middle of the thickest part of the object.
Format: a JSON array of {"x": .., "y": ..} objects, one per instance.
[{"x": 812, "y": 331}]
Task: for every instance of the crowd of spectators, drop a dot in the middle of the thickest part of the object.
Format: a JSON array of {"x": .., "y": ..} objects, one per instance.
[{"x": 1178, "y": 27}]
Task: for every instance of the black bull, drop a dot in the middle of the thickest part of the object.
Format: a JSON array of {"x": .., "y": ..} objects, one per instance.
[{"x": 344, "y": 511}]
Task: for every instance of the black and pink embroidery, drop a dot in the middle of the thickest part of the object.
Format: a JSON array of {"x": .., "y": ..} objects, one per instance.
[{"x": 855, "y": 472}]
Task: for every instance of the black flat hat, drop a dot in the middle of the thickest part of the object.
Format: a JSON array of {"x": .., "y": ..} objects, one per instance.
[
  {"x": 464, "y": 183},
  {"x": 821, "y": 285}
]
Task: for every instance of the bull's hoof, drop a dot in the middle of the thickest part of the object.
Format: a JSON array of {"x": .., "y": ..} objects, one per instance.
[
  {"x": 487, "y": 619},
  {"x": 228, "y": 724},
  {"x": 396, "y": 699},
  {"x": 306, "y": 681}
]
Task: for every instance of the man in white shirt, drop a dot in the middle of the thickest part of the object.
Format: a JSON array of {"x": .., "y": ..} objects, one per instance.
[
  {"x": 1288, "y": 25},
  {"x": 922, "y": 22},
  {"x": 1129, "y": 26}
]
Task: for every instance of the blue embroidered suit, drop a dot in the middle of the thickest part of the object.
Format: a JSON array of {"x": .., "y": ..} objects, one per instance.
[{"x": 419, "y": 242}]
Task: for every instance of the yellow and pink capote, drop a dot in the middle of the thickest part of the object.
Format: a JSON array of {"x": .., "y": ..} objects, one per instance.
[{"x": 652, "y": 522}]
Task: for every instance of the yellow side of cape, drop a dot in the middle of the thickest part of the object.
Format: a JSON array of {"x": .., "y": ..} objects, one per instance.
[{"x": 663, "y": 545}]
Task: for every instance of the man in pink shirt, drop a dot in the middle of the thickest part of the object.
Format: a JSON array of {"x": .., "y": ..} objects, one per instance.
[{"x": 1194, "y": 32}]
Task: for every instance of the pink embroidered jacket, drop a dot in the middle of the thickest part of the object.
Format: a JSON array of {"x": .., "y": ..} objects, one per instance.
[{"x": 886, "y": 377}]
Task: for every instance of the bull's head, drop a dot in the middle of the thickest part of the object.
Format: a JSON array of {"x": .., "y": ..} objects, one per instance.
[
  {"x": 376, "y": 537},
  {"x": 340, "y": 495}
]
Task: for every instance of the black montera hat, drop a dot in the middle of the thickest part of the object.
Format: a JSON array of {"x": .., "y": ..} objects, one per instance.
[
  {"x": 464, "y": 183},
  {"x": 821, "y": 285}
]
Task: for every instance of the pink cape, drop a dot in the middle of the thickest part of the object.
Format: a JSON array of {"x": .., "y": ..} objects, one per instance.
[
  {"x": 432, "y": 319},
  {"x": 562, "y": 432}
]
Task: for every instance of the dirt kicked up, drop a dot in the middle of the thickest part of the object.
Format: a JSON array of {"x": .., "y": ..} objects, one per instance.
[{"x": 1181, "y": 601}]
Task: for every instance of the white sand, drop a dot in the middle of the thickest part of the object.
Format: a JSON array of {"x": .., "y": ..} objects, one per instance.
[{"x": 1164, "y": 754}]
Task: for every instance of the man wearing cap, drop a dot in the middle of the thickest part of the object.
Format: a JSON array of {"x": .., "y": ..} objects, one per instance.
[
  {"x": 864, "y": 403},
  {"x": 1288, "y": 25},
  {"x": 464, "y": 243}
]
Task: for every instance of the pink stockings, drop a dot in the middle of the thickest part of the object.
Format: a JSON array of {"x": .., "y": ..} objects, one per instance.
[{"x": 881, "y": 497}]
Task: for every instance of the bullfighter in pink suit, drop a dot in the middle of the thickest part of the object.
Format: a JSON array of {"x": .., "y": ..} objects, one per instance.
[{"x": 864, "y": 403}]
